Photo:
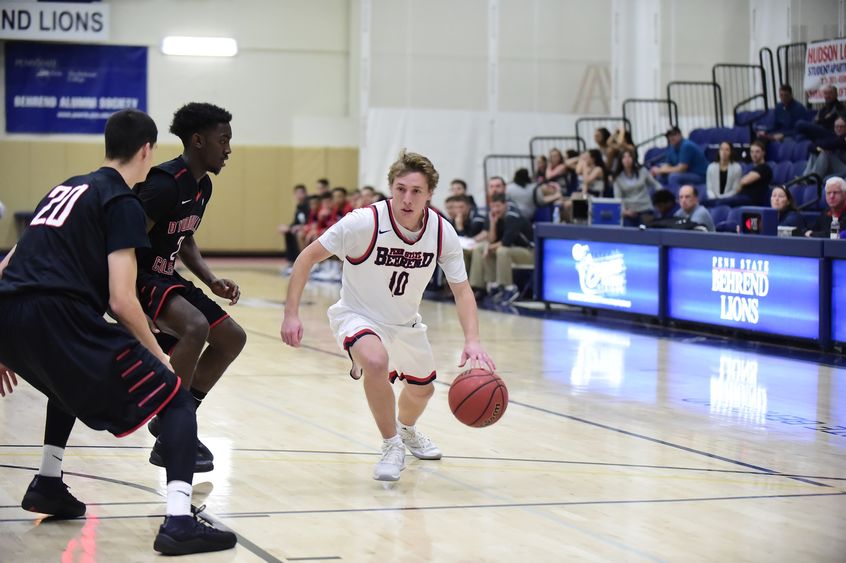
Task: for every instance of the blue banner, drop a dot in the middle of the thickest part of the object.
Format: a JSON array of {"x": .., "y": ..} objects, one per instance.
[
  {"x": 760, "y": 292},
  {"x": 56, "y": 88},
  {"x": 838, "y": 300},
  {"x": 607, "y": 275}
]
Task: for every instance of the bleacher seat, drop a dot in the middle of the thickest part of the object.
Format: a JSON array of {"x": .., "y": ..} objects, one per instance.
[
  {"x": 785, "y": 149},
  {"x": 719, "y": 213},
  {"x": 801, "y": 150},
  {"x": 731, "y": 222},
  {"x": 746, "y": 167},
  {"x": 701, "y": 191},
  {"x": 810, "y": 217},
  {"x": 798, "y": 193},
  {"x": 782, "y": 172},
  {"x": 700, "y": 136},
  {"x": 741, "y": 135},
  {"x": 654, "y": 155},
  {"x": 774, "y": 151},
  {"x": 799, "y": 167}
]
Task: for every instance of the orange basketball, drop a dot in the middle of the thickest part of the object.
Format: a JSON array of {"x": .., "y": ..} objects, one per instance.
[{"x": 478, "y": 397}]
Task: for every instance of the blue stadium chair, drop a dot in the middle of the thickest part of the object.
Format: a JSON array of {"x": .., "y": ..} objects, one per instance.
[
  {"x": 700, "y": 136},
  {"x": 774, "y": 151},
  {"x": 701, "y": 191},
  {"x": 811, "y": 195},
  {"x": 783, "y": 172},
  {"x": 801, "y": 150},
  {"x": 731, "y": 222},
  {"x": 798, "y": 193},
  {"x": 712, "y": 153},
  {"x": 799, "y": 167},
  {"x": 719, "y": 213},
  {"x": 654, "y": 155},
  {"x": 746, "y": 167},
  {"x": 741, "y": 135},
  {"x": 785, "y": 149}
]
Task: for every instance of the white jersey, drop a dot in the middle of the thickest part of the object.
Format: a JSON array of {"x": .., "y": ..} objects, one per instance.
[{"x": 385, "y": 273}]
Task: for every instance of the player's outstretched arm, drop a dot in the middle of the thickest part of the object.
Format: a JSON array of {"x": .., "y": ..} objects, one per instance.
[
  {"x": 123, "y": 301},
  {"x": 292, "y": 328},
  {"x": 468, "y": 316},
  {"x": 189, "y": 252}
]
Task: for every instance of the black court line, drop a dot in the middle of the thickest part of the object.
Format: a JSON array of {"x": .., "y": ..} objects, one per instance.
[
  {"x": 664, "y": 443},
  {"x": 552, "y": 504},
  {"x": 253, "y": 548},
  {"x": 608, "y": 427},
  {"x": 475, "y": 458}
]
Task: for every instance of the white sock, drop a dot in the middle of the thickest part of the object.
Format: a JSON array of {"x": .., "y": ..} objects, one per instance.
[
  {"x": 178, "y": 498},
  {"x": 51, "y": 461},
  {"x": 395, "y": 441},
  {"x": 401, "y": 426}
]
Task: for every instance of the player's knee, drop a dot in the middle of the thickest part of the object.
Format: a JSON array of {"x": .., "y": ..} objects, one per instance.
[
  {"x": 196, "y": 328},
  {"x": 233, "y": 340},
  {"x": 502, "y": 251},
  {"x": 421, "y": 391},
  {"x": 375, "y": 364}
]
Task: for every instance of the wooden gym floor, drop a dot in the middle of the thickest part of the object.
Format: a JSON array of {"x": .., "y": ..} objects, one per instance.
[{"x": 616, "y": 446}]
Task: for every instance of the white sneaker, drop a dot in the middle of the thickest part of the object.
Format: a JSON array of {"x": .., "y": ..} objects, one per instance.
[
  {"x": 418, "y": 443},
  {"x": 392, "y": 462}
]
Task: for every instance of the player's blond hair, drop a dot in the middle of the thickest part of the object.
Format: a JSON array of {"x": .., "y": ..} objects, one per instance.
[{"x": 408, "y": 162}]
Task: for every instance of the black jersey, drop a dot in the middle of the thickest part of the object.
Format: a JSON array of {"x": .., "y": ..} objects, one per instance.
[
  {"x": 76, "y": 226},
  {"x": 175, "y": 201}
]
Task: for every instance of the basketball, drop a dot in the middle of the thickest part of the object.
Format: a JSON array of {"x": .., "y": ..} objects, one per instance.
[{"x": 478, "y": 397}]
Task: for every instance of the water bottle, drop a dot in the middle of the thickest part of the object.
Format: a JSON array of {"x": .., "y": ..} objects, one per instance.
[{"x": 835, "y": 228}]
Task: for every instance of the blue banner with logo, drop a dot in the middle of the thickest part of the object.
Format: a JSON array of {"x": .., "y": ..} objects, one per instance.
[
  {"x": 616, "y": 276},
  {"x": 760, "y": 292},
  {"x": 64, "y": 88},
  {"x": 838, "y": 300}
]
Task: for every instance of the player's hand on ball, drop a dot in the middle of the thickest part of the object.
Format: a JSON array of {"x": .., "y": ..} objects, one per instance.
[
  {"x": 292, "y": 331},
  {"x": 7, "y": 380},
  {"x": 474, "y": 352},
  {"x": 227, "y": 289}
]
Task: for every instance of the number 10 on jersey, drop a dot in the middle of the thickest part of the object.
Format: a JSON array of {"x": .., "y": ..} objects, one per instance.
[{"x": 398, "y": 282}]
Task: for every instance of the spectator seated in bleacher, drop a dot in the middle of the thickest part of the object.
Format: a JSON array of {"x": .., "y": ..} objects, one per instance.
[
  {"x": 510, "y": 241},
  {"x": 459, "y": 187},
  {"x": 829, "y": 159},
  {"x": 521, "y": 192},
  {"x": 367, "y": 196},
  {"x": 541, "y": 164},
  {"x": 632, "y": 185},
  {"x": 289, "y": 231},
  {"x": 340, "y": 205},
  {"x": 470, "y": 226},
  {"x": 556, "y": 170},
  {"x": 690, "y": 208},
  {"x": 788, "y": 112},
  {"x": 619, "y": 141},
  {"x": 602, "y": 136},
  {"x": 823, "y": 126},
  {"x": 685, "y": 161},
  {"x": 594, "y": 174},
  {"x": 664, "y": 203},
  {"x": 788, "y": 216},
  {"x": 722, "y": 178},
  {"x": 754, "y": 185},
  {"x": 835, "y": 197}
]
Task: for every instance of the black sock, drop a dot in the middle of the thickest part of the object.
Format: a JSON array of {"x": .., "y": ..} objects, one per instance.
[
  {"x": 58, "y": 425},
  {"x": 179, "y": 437},
  {"x": 198, "y": 397}
]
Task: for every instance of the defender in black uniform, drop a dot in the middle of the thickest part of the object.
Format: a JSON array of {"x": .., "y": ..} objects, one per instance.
[
  {"x": 175, "y": 196},
  {"x": 76, "y": 260}
]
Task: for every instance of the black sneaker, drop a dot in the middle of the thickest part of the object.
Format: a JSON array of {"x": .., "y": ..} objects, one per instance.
[
  {"x": 203, "y": 464},
  {"x": 49, "y": 495},
  {"x": 181, "y": 535}
]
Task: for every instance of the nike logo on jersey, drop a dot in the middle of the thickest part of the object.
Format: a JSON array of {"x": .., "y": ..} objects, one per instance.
[
  {"x": 187, "y": 201},
  {"x": 383, "y": 232}
]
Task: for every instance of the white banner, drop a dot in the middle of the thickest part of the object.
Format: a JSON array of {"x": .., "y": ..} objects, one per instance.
[
  {"x": 825, "y": 63},
  {"x": 55, "y": 21}
]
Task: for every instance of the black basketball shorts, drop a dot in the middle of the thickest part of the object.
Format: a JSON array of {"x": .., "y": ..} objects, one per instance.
[{"x": 95, "y": 369}]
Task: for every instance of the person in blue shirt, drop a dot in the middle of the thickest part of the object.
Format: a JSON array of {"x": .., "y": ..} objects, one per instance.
[
  {"x": 787, "y": 114},
  {"x": 686, "y": 163}
]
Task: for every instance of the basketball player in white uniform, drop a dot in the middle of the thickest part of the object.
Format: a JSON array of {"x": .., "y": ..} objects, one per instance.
[{"x": 390, "y": 250}]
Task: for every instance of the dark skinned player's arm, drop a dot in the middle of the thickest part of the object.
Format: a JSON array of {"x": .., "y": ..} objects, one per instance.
[{"x": 190, "y": 255}]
